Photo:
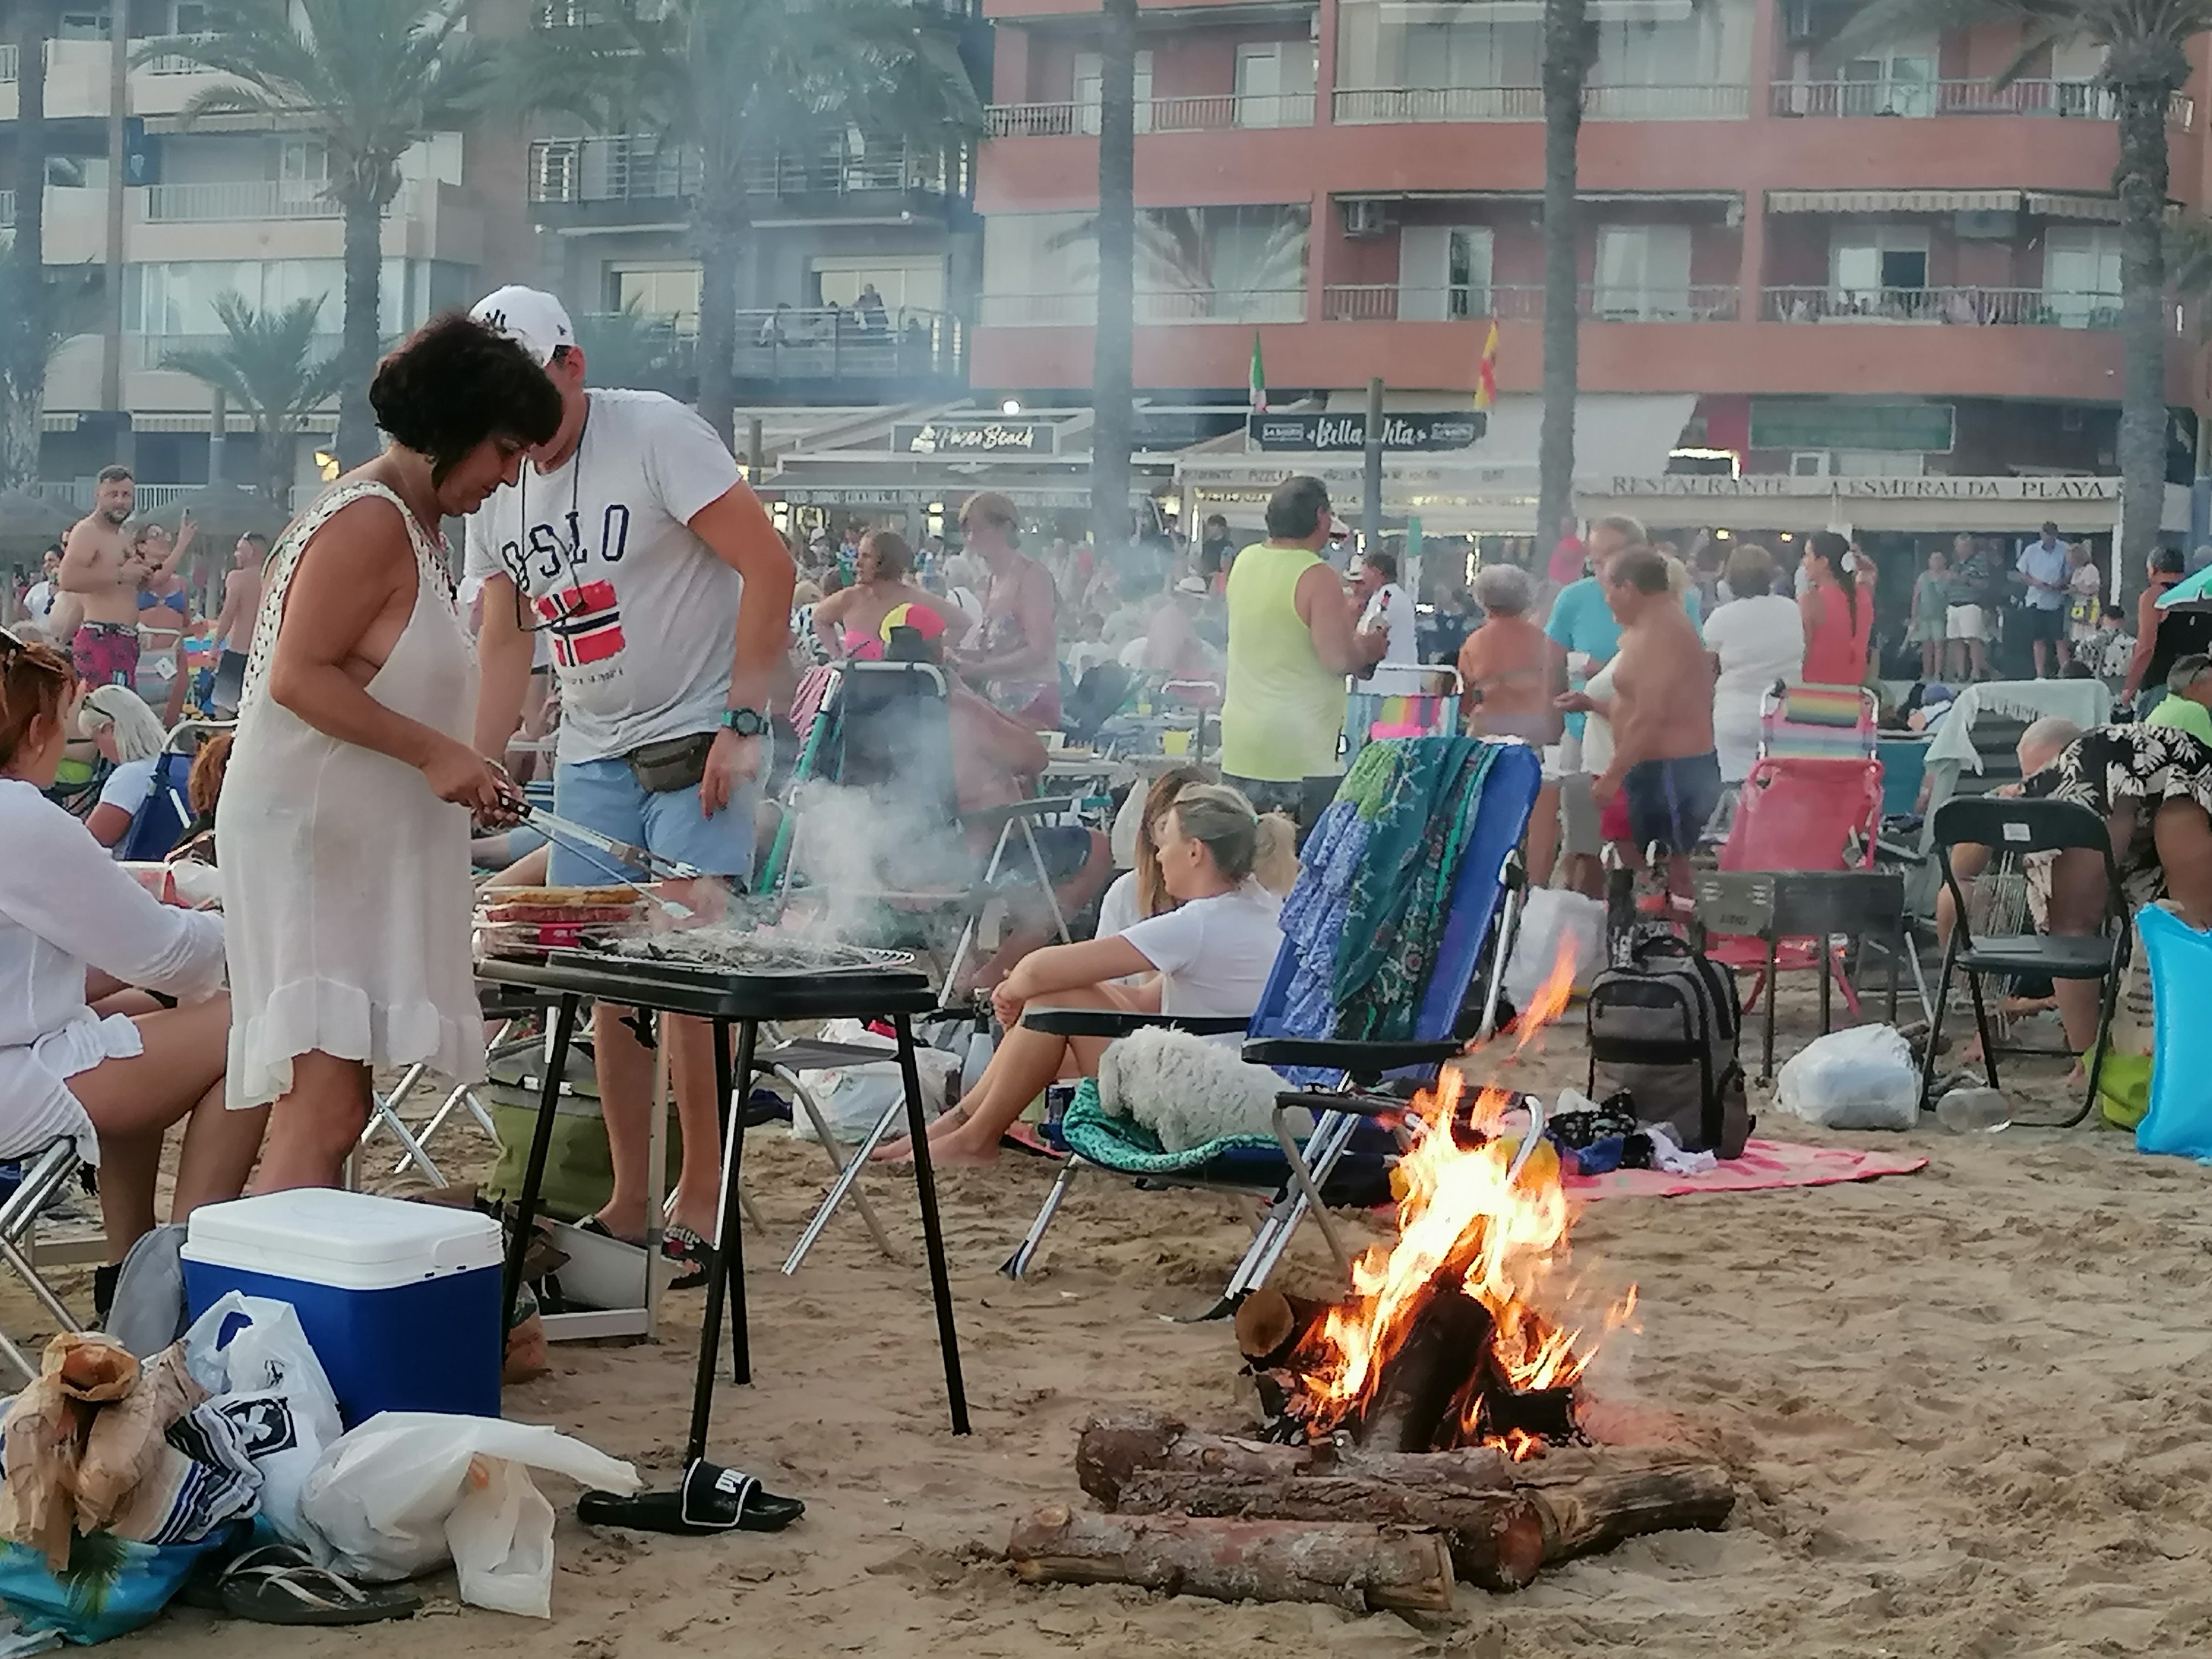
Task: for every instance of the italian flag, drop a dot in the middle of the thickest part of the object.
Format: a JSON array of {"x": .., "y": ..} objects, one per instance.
[{"x": 1259, "y": 378}]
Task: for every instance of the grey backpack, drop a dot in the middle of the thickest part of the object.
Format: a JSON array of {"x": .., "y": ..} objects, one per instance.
[{"x": 1664, "y": 1027}]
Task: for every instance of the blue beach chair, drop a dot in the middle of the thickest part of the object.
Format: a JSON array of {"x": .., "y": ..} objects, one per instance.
[{"x": 1348, "y": 1153}]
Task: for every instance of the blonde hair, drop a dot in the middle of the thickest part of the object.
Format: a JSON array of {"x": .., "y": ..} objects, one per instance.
[
  {"x": 1224, "y": 821},
  {"x": 1275, "y": 855},
  {"x": 139, "y": 734},
  {"x": 1152, "y": 896},
  {"x": 1678, "y": 579}
]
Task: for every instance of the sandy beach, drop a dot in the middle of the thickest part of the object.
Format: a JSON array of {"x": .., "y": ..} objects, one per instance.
[{"x": 1963, "y": 1410}]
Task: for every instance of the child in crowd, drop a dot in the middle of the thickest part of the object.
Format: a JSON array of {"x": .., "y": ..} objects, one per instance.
[
  {"x": 2085, "y": 597},
  {"x": 1931, "y": 597}
]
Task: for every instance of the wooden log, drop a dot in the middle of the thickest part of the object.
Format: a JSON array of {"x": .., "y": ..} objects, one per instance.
[
  {"x": 1596, "y": 1502},
  {"x": 1270, "y": 1325},
  {"x": 1495, "y": 1537},
  {"x": 1362, "y": 1569},
  {"x": 1447, "y": 1356}
]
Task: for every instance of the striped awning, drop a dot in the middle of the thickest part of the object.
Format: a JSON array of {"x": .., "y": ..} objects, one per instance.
[
  {"x": 1892, "y": 201},
  {"x": 2059, "y": 204}
]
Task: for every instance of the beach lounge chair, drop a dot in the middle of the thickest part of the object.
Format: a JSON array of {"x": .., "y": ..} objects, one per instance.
[
  {"x": 1818, "y": 722},
  {"x": 45, "y": 1175},
  {"x": 1295, "y": 1178}
]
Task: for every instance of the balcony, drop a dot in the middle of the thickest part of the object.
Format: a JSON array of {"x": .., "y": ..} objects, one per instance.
[
  {"x": 836, "y": 343},
  {"x": 1209, "y": 113},
  {"x": 640, "y": 168},
  {"x": 1965, "y": 306},
  {"x": 1154, "y": 308},
  {"x": 1387, "y": 302},
  {"x": 256, "y": 199},
  {"x": 2082, "y": 101},
  {"x": 146, "y": 351},
  {"x": 1372, "y": 105},
  {"x": 173, "y": 61}
]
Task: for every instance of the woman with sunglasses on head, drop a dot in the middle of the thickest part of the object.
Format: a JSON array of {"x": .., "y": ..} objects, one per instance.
[
  {"x": 342, "y": 833},
  {"x": 74, "y": 925},
  {"x": 1014, "y": 658}
]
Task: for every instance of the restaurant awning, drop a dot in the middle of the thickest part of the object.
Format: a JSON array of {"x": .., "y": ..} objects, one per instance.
[{"x": 1892, "y": 201}]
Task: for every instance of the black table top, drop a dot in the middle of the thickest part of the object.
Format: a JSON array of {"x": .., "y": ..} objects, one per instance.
[{"x": 710, "y": 992}]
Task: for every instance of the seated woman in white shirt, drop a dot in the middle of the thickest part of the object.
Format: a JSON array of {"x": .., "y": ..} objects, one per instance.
[
  {"x": 1210, "y": 954},
  {"x": 130, "y": 736},
  {"x": 1137, "y": 893},
  {"x": 73, "y": 925}
]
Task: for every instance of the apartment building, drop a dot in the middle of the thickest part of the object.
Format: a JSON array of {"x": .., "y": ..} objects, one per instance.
[
  {"x": 857, "y": 273},
  {"x": 210, "y": 206},
  {"x": 1810, "y": 272}
]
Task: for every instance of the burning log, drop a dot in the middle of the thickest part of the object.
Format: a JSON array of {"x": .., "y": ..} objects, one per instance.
[
  {"x": 1270, "y": 1325},
  {"x": 1362, "y": 1569},
  {"x": 1586, "y": 1498},
  {"x": 1496, "y": 1538},
  {"x": 1448, "y": 1357}
]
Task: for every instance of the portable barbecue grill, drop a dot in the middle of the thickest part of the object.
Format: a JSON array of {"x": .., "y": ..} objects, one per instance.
[{"x": 881, "y": 984}]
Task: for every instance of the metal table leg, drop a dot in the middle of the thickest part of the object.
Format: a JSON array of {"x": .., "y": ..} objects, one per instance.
[
  {"x": 932, "y": 1231},
  {"x": 728, "y": 1269},
  {"x": 541, "y": 1143}
]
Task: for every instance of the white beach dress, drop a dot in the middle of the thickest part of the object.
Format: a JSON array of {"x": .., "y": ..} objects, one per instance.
[{"x": 345, "y": 881}]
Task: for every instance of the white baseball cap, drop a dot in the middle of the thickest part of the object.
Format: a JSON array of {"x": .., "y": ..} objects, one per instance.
[{"x": 532, "y": 318}]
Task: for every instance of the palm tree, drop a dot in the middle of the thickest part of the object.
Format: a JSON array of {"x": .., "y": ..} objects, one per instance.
[
  {"x": 744, "y": 84},
  {"x": 628, "y": 348},
  {"x": 1570, "y": 48},
  {"x": 2146, "y": 45},
  {"x": 270, "y": 367},
  {"x": 25, "y": 339},
  {"x": 371, "y": 79},
  {"x": 1113, "y": 338}
]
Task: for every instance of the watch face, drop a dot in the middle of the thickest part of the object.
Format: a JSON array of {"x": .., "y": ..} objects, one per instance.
[{"x": 745, "y": 722}]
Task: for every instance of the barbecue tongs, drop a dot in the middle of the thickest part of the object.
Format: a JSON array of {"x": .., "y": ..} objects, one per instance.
[{"x": 578, "y": 838}]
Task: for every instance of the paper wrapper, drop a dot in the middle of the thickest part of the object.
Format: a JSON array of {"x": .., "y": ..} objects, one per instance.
[
  {"x": 45, "y": 1432},
  {"x": 125, "y": 1445}
]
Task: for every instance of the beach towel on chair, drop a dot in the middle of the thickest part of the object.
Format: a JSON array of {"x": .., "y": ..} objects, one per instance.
[{"x": 1122, "y": 1144}]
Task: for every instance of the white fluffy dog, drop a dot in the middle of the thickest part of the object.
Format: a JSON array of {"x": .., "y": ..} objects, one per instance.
[{"x": 1186, "y": 1090}]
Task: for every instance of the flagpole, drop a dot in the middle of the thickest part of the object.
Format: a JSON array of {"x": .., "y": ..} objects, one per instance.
[{"x": 1370, "y": 508}]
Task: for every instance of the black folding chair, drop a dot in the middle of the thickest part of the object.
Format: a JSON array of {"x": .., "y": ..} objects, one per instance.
[{"x": 2017, "y": 828}]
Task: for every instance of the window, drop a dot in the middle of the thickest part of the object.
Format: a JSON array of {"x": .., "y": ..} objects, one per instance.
[
  {"x": 78, "y": 23},
  {"x": 1643, "y": 271},
  {"x": 1892, "y": 84},
  {"x": 1220, "y": 263},
  {"x": 663, "y": 293},
  {"x": 1088, "y": 78},
  {"x": 303, "y": 170},
  {"x": 188, "y": 17},
  {"x": 903, "y": 282},
  {"x": 1444, "y": 273},
  {"x": 179, "y": 298},
  {"x": 1879, "y": 270},
  {"x": 1275, "y": 84},
  {"x": 2082, "y": 276}
]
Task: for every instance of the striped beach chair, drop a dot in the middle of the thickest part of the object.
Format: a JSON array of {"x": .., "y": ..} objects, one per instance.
[{"x": 1818, "y": 722}]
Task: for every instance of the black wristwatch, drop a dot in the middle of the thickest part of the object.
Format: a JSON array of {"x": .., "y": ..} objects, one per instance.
[{"x": 745, "y": 722}]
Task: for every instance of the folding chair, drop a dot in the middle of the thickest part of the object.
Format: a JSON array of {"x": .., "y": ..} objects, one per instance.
[
  {"x": 2019, "y": 828},
  {"x": 1294, "y": 1179},
  {"x": 1818, "y": 722},
  {"x": 45, "y": 1176}
]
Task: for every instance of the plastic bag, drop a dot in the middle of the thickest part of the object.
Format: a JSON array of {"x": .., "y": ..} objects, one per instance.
[
  {"x": 252, "y": 1356},
  {"x": 2178, "y": 962},
  {"x": 407, "y": 1490},
  {"x": 853, "y": 1098},
  {"x": 1554, "y": 917},
  {"x": 1861, "y": 1078}
]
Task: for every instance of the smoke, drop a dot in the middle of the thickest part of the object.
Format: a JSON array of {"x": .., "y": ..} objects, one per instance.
[{"x": 865, "y": 855}]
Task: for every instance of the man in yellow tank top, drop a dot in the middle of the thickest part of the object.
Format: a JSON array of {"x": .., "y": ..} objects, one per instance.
[{"x": 1293, "y": 638}]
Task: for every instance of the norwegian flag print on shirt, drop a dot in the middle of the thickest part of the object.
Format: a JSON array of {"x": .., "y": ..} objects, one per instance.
[{"x": 585, "y": 622}]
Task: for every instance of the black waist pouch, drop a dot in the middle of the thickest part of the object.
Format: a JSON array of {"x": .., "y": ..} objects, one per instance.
[{"x": 673, "y": 763}]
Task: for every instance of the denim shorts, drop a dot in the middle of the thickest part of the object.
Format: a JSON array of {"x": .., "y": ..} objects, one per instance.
[{"x": 605, "y": 795}]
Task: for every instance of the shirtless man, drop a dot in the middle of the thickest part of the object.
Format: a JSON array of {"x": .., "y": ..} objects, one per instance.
[
  {"x": 99, "y": 567},
  {"x": 1663, "y": 716},
  {"x": 234, "y": 623}
]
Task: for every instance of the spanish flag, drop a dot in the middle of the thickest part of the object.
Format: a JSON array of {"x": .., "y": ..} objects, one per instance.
[{"x": 1485, "y": 377}]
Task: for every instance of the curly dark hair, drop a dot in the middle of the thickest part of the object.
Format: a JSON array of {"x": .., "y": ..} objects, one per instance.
[{"x": 453, "y": 383}]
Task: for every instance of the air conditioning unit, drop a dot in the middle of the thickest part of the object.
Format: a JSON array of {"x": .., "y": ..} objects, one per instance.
[
  {"x": 1364, "y": 219},
  {"x": 1809, "y": 463}
]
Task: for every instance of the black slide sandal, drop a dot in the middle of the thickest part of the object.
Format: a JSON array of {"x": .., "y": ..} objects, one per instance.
[{"x": 710, "y": 1499}]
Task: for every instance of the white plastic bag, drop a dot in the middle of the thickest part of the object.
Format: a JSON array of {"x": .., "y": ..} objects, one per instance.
[
  {"x": 1553, "y": 917},
  {"x": 1861, "y": 1078},
  {"x": 268, "y": 1384},
  {"x": 853, "y": 1097},
  {"x": 408, "y": 1490}
]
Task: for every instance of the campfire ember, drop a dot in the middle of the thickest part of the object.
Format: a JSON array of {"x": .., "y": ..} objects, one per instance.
[{"x": 1443, "y": 1341}]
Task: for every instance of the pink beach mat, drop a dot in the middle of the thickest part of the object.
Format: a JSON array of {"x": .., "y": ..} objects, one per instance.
[{"x": 1765, "y": 1164}]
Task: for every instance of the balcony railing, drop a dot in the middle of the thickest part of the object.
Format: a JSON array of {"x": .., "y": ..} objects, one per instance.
[
  {"x": 2034, "y": 307},
  {"x": 255, "y": 198},
  {"x": 640, "y": 168},
  {"x": 2085, "y": 100},
  {"x": 175, "y": 62},
  {"x": 847, "y": 342},
  {"x": 1209, "y": 113},
  {"x": 1387, "y": 302},
  {"x": 1374, "y": 105},
  {"x": 147, "y": 350},
  {"x": 1153, "y": 308}
]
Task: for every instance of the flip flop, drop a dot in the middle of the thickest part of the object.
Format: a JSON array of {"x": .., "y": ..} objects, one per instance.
[
  {"x": 688, "y": 1251},
  {"x": 278, "y": 1584},
  {"x": 710, "y": 1499}
]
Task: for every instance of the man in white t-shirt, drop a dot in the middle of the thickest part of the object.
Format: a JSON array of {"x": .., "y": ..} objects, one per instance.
[
  {"x": 631, "y": 542},
  {"x": 1387, "y": 608},
  {"x": 38, "y": 598}
]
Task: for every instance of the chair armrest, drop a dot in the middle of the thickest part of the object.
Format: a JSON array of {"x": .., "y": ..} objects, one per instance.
[
  {"x": 994, "y": 817},
  {"x": 1359, "y": 1104},
  {"x": 1111, "y": 1023},
  {"x": 1365, "y": 1062}
]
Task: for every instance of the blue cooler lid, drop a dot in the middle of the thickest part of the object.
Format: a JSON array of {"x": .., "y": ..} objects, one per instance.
[{"x": 347, "y": 1241}]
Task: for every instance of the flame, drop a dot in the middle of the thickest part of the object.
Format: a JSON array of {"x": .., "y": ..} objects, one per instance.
[{"x": 1466, "y": 1213}]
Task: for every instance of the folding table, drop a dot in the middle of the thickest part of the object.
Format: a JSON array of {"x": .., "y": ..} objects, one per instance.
[{"x": 726, "y": 997}]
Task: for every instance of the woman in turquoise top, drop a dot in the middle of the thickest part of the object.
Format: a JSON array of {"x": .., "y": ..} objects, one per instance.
[{"x": 1931, "y": 596}]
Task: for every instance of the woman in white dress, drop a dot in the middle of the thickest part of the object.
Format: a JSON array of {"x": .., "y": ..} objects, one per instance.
[
  {"x": 344, "y": 829},
  {"x": 73, "y": 924}
]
